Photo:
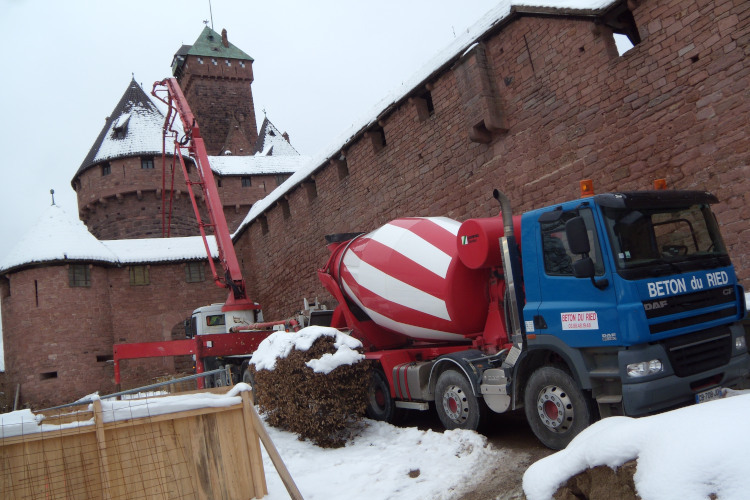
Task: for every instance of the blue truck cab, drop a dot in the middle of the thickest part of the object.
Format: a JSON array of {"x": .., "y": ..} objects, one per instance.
[{"x": 634, "y": 296}]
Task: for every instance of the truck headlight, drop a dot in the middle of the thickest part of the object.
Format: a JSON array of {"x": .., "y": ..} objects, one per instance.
[
  {"x": 739, "y": 343},
  {"x": 645, "y": 368}
]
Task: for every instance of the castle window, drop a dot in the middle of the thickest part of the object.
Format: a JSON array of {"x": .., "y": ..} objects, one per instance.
[
  {"x": 106, "y": 169},
  {"x": 121, "y": 126},
  {"x": 280, "y": 178},
  {"x": 139, "y": 275},
  {"x": 424, "y": 105},
  {"x": 377, "y": 138},
  {"x": 227, "y": 62},
  {"x": 47, "y": 375},
  {"x": 200, "y": 60},
  {"x": 242, "y": 64},
  {"x": 213, "y": 61},
  {"x": 79, "y": 275},
  {"x": 246, "y": 182},
  {"x": 147, "y": 162},
  {"x": 195, "y": 272}
]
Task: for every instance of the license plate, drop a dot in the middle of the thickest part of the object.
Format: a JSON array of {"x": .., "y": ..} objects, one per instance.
[{"x": 710, "y": 395}]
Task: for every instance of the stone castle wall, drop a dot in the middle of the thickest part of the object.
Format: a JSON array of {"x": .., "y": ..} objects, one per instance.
[
  {"x": 58, "y": 339},
  {"x": 540, "y": 104}
]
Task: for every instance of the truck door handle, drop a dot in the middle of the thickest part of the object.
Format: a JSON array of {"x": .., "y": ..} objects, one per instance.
[{"x": 539, "y": 323}]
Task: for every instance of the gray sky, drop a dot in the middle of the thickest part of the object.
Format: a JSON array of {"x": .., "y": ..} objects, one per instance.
[{"x": 318, "y": 67}]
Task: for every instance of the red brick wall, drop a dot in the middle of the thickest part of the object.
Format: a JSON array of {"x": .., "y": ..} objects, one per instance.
[
  {"x": 675, "y": 106},
  {"x": 127, "y": 203},
  {"x": 237, "y": 199},
  {"x": 50, "y": 328},
  {"x": 221, "y": 99},
  {"x": 54, "y": 328}
]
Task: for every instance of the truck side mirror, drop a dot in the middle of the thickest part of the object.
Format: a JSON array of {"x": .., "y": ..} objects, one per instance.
[
  {"x": 583, "y": 268},
  {"x": 578, "y": 237}
]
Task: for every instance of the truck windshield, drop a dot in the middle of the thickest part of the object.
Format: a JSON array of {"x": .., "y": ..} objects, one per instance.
[{"x": 656, "y": 242}]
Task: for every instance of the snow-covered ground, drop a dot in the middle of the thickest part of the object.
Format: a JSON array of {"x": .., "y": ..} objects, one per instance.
[{"x": 686, "y": 454}]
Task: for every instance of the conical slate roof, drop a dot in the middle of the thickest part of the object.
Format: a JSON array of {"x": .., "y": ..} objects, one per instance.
[
  {"x": 56, "y": 237},
  {"x": 271, "y": 142},
  {"x": 134, "y": 128}
]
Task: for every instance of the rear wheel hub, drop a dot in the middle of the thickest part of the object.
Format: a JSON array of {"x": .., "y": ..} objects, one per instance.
[
  {"x": 455, "y": 404},
  {"x": 555, "y": 408}
]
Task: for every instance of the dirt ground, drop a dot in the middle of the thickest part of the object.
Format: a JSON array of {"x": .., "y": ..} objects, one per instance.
[{"x": 507, "y": 432}]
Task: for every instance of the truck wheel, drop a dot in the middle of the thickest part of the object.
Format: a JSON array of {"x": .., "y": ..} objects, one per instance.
[
  {"x": 456, "y": 404},
  {"x": 380, "y": 404},
  {"x": 556, "y": 408}
]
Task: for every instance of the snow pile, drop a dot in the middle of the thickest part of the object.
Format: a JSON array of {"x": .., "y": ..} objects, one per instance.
[
  {"x": 383, "y": 462},
  {"x": 280, "y": 344},
  {"x": 687, "y": 453}
]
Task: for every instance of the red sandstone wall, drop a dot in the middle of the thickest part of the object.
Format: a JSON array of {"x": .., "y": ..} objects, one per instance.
[
  {"x": 148, "y": 313},
  {"x": 675, "y": 106},
  {"x": 50, "y": 329},
  {"x": 238, "y": 200},
  {"x": 127, "y": 203},
  {"x": 221, "y": 98},
  {"x": 55, "y": 328}
]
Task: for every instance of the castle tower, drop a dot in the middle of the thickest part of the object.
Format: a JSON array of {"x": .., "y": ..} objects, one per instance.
[
  {"x": 119, "y": 183},
  {"x": 216, "y": 78}
]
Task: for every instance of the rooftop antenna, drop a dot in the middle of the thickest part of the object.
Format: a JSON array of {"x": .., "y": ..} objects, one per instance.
[
  {"x": 52, "y": 192},
  {"x": 211, "y": 12}
]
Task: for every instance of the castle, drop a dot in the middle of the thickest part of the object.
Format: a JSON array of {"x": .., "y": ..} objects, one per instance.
[
  {"x": 530, "y": 100},
  {"x": 111, "y": 277}
]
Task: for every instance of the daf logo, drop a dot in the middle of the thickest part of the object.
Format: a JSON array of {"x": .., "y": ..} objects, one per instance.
[{"x": 655, "y": 305}]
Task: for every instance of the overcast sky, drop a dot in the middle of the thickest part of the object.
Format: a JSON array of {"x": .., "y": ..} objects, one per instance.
[{"x": 319, "y": 66}]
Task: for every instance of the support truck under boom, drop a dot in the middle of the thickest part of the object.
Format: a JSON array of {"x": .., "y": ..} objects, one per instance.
[{"x": 613, "y": 304}]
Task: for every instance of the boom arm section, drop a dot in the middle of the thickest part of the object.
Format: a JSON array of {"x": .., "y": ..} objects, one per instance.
[{"x": 169, "y": 92}]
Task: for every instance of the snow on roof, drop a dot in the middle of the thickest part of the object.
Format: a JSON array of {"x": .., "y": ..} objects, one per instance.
[
  {"x": 257, "y": 165},
  {"x": 58, "y": 237},
  {"x": 142, "y": 133},
  {"x": 134, "y": 128},
  {"x": 160, "y": 249},
  {"x": 271, "y": 142},
  {"x": 452, "y": 52}
]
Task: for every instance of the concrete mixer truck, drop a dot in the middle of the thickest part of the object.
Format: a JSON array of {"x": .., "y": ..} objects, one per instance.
[{"x": 612, "y": 304}]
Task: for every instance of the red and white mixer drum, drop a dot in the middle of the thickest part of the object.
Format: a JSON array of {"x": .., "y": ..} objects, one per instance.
[{"x": 407, "y": 276}]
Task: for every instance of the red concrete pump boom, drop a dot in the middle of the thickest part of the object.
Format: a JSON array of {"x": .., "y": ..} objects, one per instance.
[{"x": 168, "y": 91}]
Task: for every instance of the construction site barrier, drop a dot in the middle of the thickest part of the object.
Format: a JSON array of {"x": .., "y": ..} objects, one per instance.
[{"x": 141, "y": 448}]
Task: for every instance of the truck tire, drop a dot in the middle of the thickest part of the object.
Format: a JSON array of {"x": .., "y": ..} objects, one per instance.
[
  {"x": 455, "y": 402},
  {"x": 380, "y": 404},
  {"x": 556, "y": 408}
]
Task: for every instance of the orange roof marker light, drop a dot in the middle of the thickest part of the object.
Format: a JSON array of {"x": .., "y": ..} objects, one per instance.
[
  {"x": 587, "y": 188},
  {"x": 660, "y": 184}
]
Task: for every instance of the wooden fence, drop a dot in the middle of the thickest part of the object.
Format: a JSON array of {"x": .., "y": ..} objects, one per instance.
[{"x": 204, "y": 453}]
